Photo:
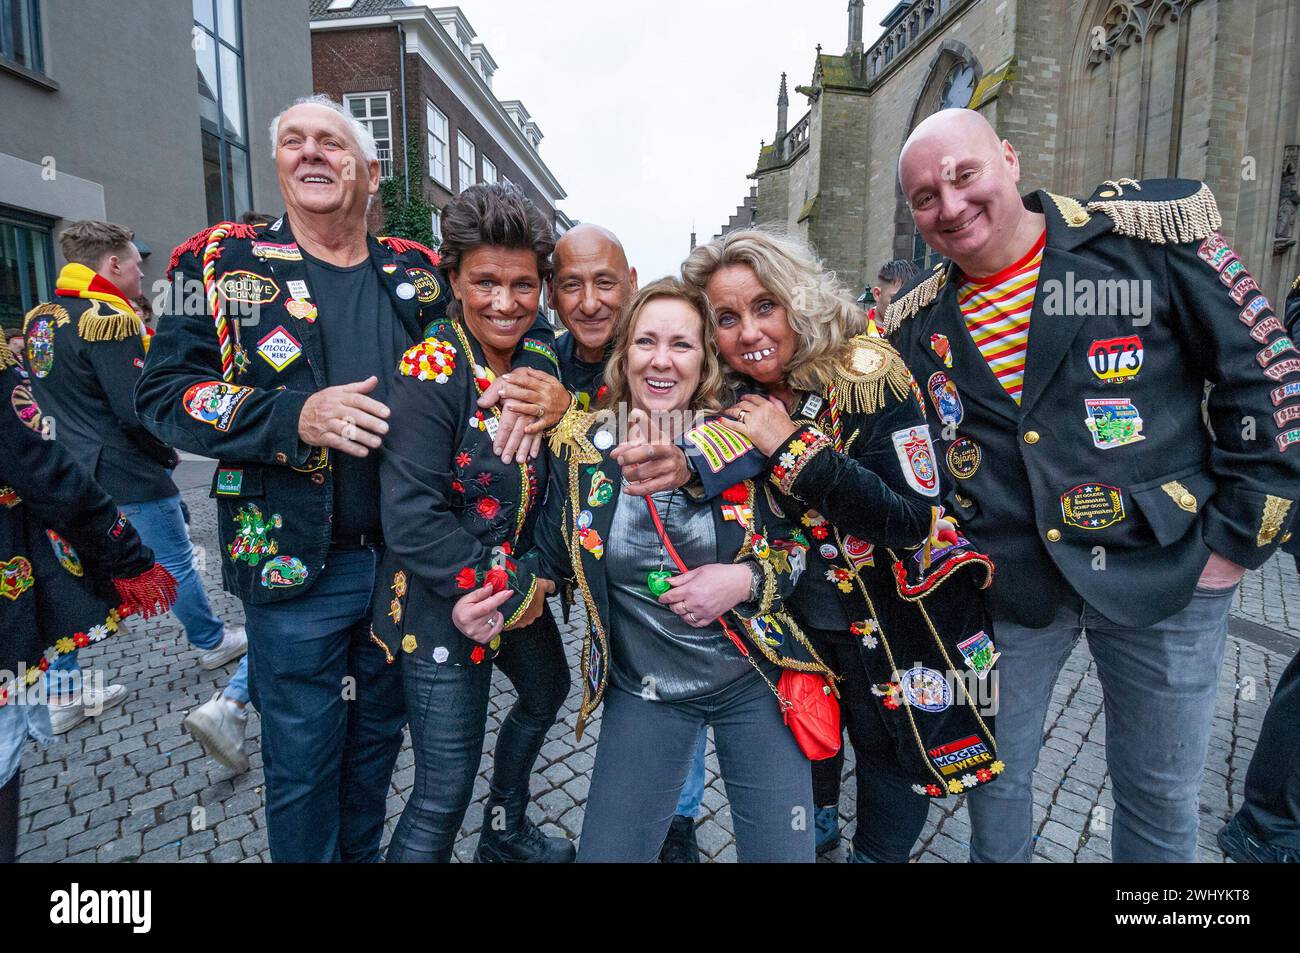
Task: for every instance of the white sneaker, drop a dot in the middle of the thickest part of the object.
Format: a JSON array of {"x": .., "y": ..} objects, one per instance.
[
  {"x": 233, "y": 644},
  {"x": 218, "y": 725},
  {"x": 64, "y": 716}
]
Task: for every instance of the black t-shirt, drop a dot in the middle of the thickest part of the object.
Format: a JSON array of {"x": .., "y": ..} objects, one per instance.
[
  {"x": 362, "y": 337},
  {"x": 578, "y": 376}
]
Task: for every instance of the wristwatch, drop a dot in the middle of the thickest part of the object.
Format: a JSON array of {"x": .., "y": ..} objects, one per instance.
[{"x": 756, "y": 582}]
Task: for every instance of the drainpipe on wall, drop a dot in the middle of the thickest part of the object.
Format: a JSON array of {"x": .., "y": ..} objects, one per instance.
[{"x": 401, "y": 72}]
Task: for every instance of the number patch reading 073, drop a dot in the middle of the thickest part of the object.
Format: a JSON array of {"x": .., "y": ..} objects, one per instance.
[{"x": 1116, "y": 360}]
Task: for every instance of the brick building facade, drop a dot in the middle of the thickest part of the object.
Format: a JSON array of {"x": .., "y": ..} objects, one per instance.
[
  {"x": 367, "y": 53},
  {"x": 1086, "y": 91}
]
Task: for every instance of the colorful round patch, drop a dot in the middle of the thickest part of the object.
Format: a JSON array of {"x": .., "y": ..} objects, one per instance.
[
  {"x": 926, "y": 689},
  {"x": 430, "y": 361},
  {"x": 66, "y": 555},
  {"x": 964, "y": 458},
  {"x": 284, "y": 572}
]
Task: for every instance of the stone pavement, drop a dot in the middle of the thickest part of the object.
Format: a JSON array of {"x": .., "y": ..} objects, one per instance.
[{"x": 131, "y": 785}]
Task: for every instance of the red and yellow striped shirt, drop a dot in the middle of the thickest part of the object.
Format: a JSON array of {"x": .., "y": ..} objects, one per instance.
[{"x": 996, "y": 310}]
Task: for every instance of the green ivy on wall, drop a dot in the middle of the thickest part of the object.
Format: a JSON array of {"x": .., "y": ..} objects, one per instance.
[{"x": 409, "y": 218}]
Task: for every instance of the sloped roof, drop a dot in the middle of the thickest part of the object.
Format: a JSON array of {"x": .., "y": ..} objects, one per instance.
[{"x": 319, "y": 9}]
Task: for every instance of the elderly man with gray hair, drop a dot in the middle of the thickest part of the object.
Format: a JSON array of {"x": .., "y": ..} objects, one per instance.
[{"x": 281, "y": 373}]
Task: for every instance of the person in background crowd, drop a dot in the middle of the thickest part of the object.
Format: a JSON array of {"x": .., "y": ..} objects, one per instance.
[
  {"x": 85, "y": 354},
  {"x": 57, "y": 598},
  {"x": 892, "y": 276},
  {"x": 661, "y": 650},
  {"x": 1266, "y": 829},
  {"x": 829, "y": 418},
  {"x": 1073, "y": 428},
  {"x": 293, "y": 406},
  {"x": 457, "y": 518},
  {"x": 17, "y": 345}
]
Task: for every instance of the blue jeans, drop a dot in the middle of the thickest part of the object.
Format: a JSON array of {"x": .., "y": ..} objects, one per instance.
[
  {"x": 332, "y": 715},
  {"x": 646, "y": 750},
  {"x": 688, "y": 802},
  {"x": 162, "y": 527},
  {"x": 1158, "y": 688}
]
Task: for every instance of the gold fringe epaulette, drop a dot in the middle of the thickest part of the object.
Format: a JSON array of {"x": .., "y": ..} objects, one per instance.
[
  {"x": 568, "y": 439},
  {"x": 1072, "y": 210},
  {"x": 910, "y": 304},
  {"x": 51, "y": 310},
  {"x": 871, "y": 366},
  {"x": 1295, "y": 285},
  {"x": 107, "y": 325},
  {"x": 7, "y": 359},
  {"x": 1190, "y": 219}
]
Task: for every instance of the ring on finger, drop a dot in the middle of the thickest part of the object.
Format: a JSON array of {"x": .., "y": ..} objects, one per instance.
[{"x": 691, "y": 616}]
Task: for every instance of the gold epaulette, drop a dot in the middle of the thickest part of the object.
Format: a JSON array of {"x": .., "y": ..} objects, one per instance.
[
  {"x": 1295, "y": 285},
  {"x": 49, "y": 309},
  {"x": 107, "y": 324},
  {"x": 910, "y": 304},
  {"x": 1190, "y": 218},
  {"x": 568, "y": 439},
  {"x": 870, "y": 366},
  {"x": 7, "y": 359}
]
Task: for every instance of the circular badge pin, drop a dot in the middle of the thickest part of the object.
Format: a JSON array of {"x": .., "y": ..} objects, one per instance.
[
  {"x": 603, "y": 440},
  {"x": 964, "y": 458},
  {"x": 440, "y": 655},
  {"x": 828, "y": 551},
  {"x": 406, "y": 291},
  {"x": 926, "y": 689}
]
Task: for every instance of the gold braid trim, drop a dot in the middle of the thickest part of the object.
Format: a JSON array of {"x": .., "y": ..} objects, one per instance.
[
  {"x": 388, "y": 655},
  {"x": 1273, "y": 519},
  {"x": 56, "y": 311},
  {"x": 523, "y": 606},
  {"x": 911, "y": 303},
  {"x": 871, "y": 366},
  {"x": 568, "y": 439},
  {"x": 113, "y": 326},
  {"x": 7, "y": 359},
  {"x": 1072, "y": 210},
  {"x": 590, "y": 701},
  {"x": 1190, "y": 219}
]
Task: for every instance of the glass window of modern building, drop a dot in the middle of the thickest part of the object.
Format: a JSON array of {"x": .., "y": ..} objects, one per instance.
[
  {"x": 26, "y": 264},
  {"x": 218, "y": 51},
  {"x": 20, "y": 33}
]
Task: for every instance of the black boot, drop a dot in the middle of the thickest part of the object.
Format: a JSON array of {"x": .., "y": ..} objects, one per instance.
[
  {"x": 680, "y": 846},
  {"x": 509, "y": 837}
]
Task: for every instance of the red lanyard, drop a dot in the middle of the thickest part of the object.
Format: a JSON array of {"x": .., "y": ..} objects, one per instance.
[{"x": 681, "y": 567}]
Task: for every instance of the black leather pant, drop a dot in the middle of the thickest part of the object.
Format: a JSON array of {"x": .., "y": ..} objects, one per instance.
[{"x": 448, "y": 706}]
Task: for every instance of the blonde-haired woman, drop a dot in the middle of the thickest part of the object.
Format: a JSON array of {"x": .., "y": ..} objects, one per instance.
[
  {"x": 838, "y": 418},
  {"x": 656, "y": 653}
]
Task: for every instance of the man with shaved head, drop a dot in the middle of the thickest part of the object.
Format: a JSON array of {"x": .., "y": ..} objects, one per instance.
[{"x": 1064, "y": 348}]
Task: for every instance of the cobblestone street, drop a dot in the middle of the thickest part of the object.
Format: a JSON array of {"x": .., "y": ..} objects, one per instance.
[{"x": 131, "y": 785}]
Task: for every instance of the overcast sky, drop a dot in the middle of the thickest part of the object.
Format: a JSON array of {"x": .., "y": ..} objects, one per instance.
[{"x": 653, "y": 112}]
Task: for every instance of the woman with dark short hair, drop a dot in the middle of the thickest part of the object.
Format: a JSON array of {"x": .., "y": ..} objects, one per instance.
[{"x": 455, "y": 519}]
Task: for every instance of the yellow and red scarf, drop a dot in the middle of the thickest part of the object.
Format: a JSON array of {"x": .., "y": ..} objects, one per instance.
[{"x": 116, "y": 322}]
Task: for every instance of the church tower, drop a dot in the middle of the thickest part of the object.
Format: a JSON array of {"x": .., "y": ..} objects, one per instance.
[{"x": 782, "y": 111}]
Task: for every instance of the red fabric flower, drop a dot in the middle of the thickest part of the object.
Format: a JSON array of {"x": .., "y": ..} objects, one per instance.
[
  {"x": 933, "y": 790},
  {"x": 819, "y": 532},
  {"x": 477, "y": 655},
  {"x": 984, "y": 775},
  {"x": 735, "y": 494},
  {"x": 488, "y": 507},
  {"x": 507, "y": 549},
  {"x": 457, "y": 486},
  {"x": 601, "y": 393},
  {"x": 891, "y": 702},
  {"x": 484, "y": 479},
  {"x": 80, "y": 640},
  {"x": 778, "y": 471},
  {"x": 497, "y": 579},
  {"x": 466, "y": 579},
  {"x": 43, "y": 664},
  {"x": 463, "y": 460}
]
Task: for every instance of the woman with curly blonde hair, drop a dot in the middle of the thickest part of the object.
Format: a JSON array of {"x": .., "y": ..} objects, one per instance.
[{"x": 837, "y": 419}]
